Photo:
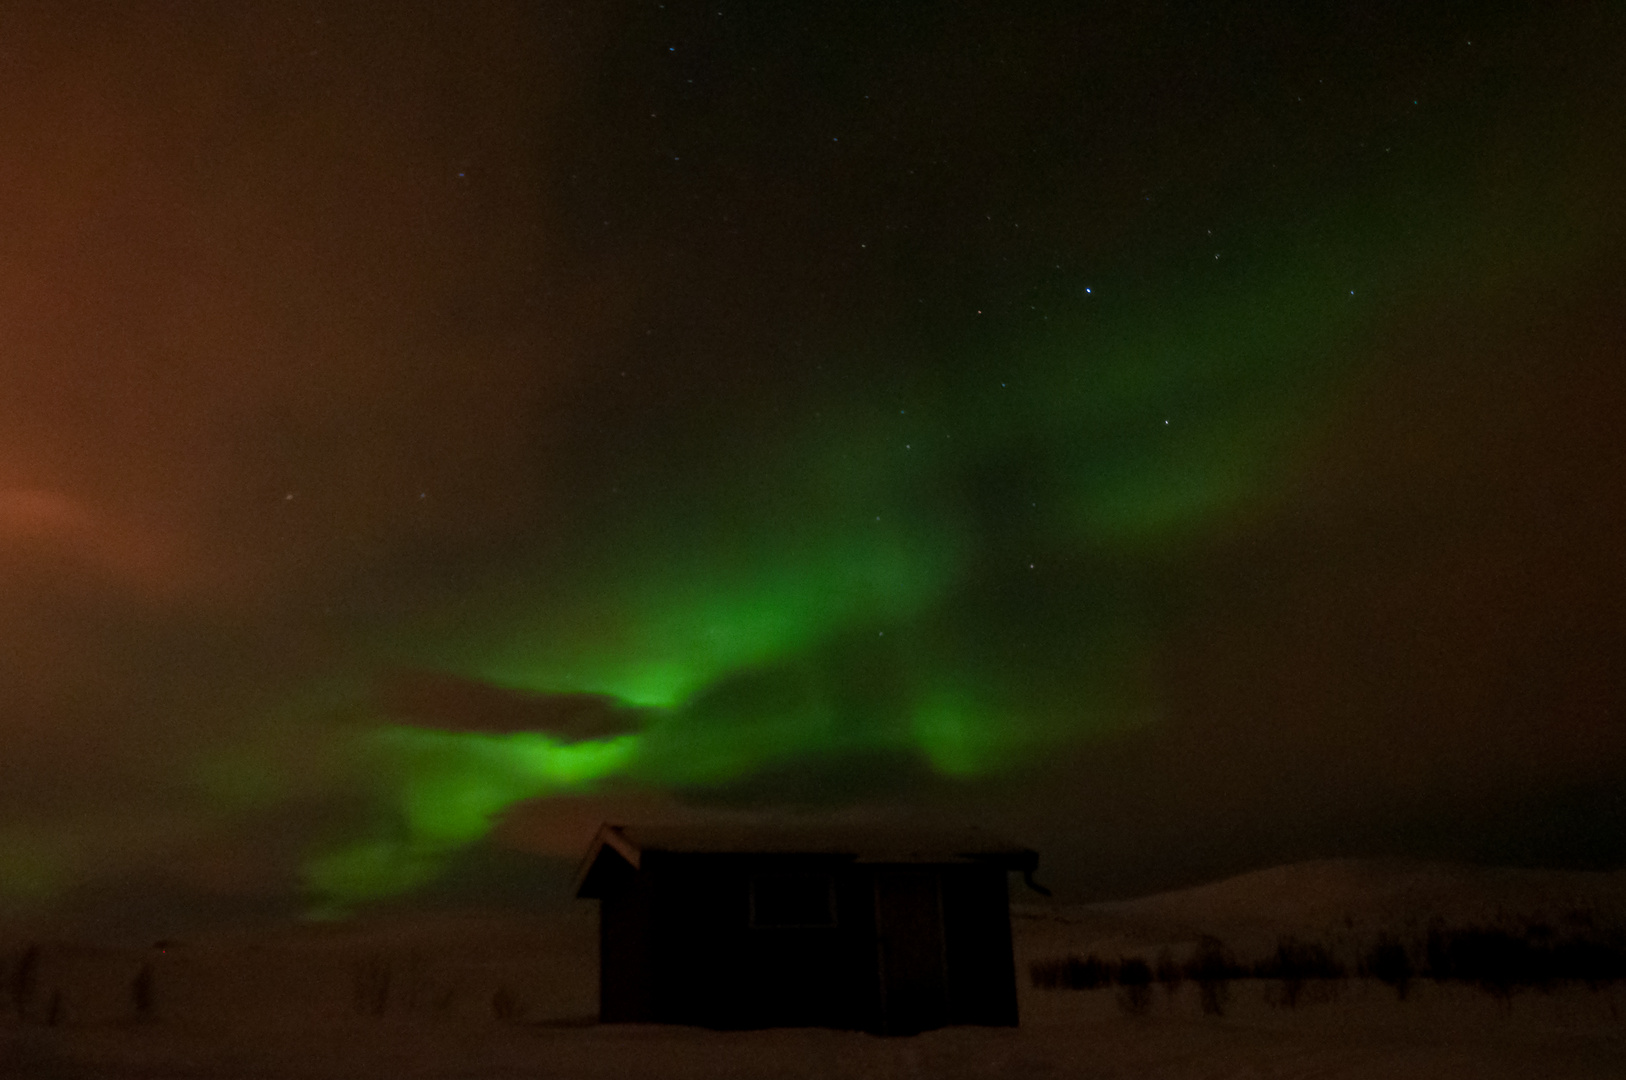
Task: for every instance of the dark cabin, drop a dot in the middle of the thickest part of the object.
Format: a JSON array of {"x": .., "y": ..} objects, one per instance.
[{"x": 750, "y": 927}]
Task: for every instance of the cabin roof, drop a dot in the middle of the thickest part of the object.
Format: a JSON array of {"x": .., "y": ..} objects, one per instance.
[{"x": 627, "y": 844}]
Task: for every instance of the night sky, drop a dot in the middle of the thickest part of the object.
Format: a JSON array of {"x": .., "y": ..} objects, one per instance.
[{"x": 1184, "y": 436}]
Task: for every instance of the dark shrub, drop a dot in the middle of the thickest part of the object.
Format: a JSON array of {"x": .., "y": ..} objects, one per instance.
[
  {"x": 1072, "y": 973},
  {"x": 370, "y": 987},
  {"x": 1495, "y": 959},
  {"x": 1295, "y": 962},
  {"x": 1134, "y": 978},
  {"x": 1169, "y": 973},
  {"x": 1090, "y": 973},
  {"x": 141, "y": 992},
  {"x": 1212, "y": 961},
  {"x": 1295, "y": 959},
  {"x": 1500, "y": 960},
  {"x": 1590, "y": 961},
  {"x": 1211, "y": 967},
  {"x": 506, "y": 1005},
  {"x": 1389, "y": 962},
  {"x": 24, "y": 978}
]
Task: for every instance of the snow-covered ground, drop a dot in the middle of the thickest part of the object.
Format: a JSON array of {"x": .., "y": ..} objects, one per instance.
[
  {"x": 1365, "y": 1033},
  {"x": 506, "y": 995}
]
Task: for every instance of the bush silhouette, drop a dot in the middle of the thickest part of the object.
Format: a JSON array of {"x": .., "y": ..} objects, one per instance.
[
  {"x": 1211, "y": 967},
  {"x": 505, "y": 1005},
  {"x": 1071, "y": 973},
  {"x": 1499, "y": 959},
  {"x": 1295, "y": 962},
  {"x": 1494, "y": 959},
  {"x": 371, "y": 985},
  {"x": 1590, "y": 961},
  {"x": 141, "y": 992},
  {"x": 24, "y": 979},
  {"x": 1390, "y": 963},
  {"x": 1169, "y": 973},
  {"x": 1134, "y": 979}
]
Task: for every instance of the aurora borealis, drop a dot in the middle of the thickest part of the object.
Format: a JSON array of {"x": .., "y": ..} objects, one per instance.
[{"x": 1185, "y": 436}]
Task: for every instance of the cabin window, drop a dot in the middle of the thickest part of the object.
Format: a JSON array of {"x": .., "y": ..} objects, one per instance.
[{"x": 793, "y": 900}]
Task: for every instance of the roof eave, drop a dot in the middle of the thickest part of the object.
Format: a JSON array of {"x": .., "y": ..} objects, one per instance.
[{"x": 608, "y": 836}]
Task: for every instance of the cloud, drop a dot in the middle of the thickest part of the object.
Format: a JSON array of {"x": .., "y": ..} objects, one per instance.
[{"x": 448, "y": 702}]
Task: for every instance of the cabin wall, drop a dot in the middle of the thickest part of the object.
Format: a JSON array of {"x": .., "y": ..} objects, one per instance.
[
  {"x": 699, "y": 915},
  {"x": 626, "y": 974},
  {"x": 701, "y": 939},
  {"x": 977, "y": 945},
  {"x": 913, "y": 967},
  {"x": 714, "y": 968}
]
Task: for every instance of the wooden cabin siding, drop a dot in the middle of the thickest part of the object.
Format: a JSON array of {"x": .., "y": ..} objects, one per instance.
[
  {"x": 977, "y": 942},
  {"x": 728, "y": 939},
  {"x": 625, "y": 952}
]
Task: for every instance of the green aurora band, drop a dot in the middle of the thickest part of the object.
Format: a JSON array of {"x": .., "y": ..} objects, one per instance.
[{"x": 960, "y": 580}]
